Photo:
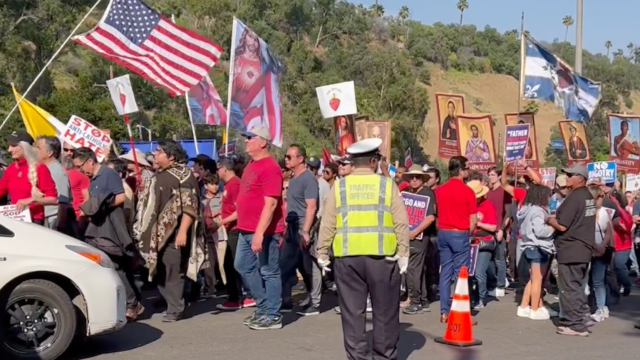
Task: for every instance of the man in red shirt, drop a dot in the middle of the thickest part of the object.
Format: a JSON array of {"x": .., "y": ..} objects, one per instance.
[
  {"x": 261, "y": 224},
  {"x": 24, "y": 190},
  {"x": 457, "y": 218},
  {"x": 228, "y": 219}
]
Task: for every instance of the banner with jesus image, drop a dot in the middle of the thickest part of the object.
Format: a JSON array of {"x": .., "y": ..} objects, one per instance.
[{"x": 254, "y": 98}]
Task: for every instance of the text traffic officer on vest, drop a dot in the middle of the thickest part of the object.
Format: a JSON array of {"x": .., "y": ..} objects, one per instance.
[{"x": 365, "y": 220}]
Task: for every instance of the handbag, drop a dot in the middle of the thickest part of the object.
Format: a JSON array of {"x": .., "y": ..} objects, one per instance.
[{"x": 487, "y": 245}]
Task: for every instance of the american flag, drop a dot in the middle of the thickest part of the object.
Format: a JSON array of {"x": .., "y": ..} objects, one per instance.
[
  {"x": 133, "y": 35},
  {"x": 408, "y": 160}
]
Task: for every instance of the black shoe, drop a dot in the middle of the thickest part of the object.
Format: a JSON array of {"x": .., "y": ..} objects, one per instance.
[
  {"x": 171, "y": 318},
  {"x": 286, "y": 307},
  {"x": 267, "y": 323},
  {"x": 425, "y": 307},
  {"x": 412, "y": 309},
  {"x": 249, "y": 320},
  {"x": 309, "y": 311}
]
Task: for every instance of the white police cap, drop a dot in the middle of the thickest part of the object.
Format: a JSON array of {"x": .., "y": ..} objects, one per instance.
[{"x": 364, "y": 146}]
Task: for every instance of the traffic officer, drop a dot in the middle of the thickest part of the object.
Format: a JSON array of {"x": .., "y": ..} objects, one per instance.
[{"x": 366, "y": 222}]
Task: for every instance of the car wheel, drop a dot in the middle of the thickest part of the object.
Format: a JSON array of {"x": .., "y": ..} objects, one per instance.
[{"x": 39, "y": 322}]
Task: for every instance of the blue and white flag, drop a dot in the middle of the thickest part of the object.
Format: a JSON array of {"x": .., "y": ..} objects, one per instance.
[{"x": 548, "y": 78}]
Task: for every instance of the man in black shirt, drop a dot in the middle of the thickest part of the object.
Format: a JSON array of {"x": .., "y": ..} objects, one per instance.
[
  {"x": 419, "y": 241},
  {"x": 575, "y": 225}
]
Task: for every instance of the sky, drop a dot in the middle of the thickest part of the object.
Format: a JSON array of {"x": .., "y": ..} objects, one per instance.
[{"x": 614, "y": 20}]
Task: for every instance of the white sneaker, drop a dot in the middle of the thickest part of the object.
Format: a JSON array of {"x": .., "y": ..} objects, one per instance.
[
  {"x": 506, "y": 282},
  {"x": 540, "y": 314},
  {"x": 598, "y": 316},
  {"x": 499, "y": 293},
  {"x": 551, "y": 312},
  {"x": 523, "y": 312},
  {"x": 605, "y": 312}
]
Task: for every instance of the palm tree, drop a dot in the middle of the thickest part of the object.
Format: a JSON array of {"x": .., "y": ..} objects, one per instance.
[
  {"x": 462, "y": 6},
  {"x": 630, "y": 48},
  {"x": 404, "y": 14},
  {"x": 568, "y": 22},
  {"x": 377, "y": 9},
  {"x": 608, "y": 45}
]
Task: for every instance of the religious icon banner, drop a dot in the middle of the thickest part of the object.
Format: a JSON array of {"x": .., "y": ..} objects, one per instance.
[
  {"x": 531, "y": 155},
  {"x": 345, "y": 133},
  {"x": 254, "y": 98},
  {"x": 382, "y": 131},
  {"x": 624, "y": 136},
  {"x": 574, "y": 136},
  {"x": 449, "y": 106},
  {"x": 476, "y": 141}
]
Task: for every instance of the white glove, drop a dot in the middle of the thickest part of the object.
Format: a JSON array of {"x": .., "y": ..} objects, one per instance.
[
  {"x": 324, "y": 264},
  {"x": 403, "y": 262}
]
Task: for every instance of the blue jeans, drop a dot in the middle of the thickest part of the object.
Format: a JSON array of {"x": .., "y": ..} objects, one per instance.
[
  {"x": 453, "y": 247},
  {"x": 261, "y": 272},
  {"x": 598, "y": 276},
  {"x": 620, "y": 259},
  {"x": 482, "y": 267}
]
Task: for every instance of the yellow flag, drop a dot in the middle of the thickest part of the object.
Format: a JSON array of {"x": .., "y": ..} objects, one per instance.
[
  {"x": 37, "y": 121},
  {"x": 224, "y": 136}
]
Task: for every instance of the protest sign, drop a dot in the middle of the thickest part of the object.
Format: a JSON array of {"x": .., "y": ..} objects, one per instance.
[
  {"x": 632, "y": 182},
  {"x": 473, "y": 258},
  {"x": 122, "y": 95},
  {"x": 548, "y": 177},
  {"x": 80, "y": 132},
  {"x": 416, "y": 207},
  {"x": 606, "y": 171},
  {"x": 337, "y": 99},
  {"x": 11, "y": 211},
  {"x": 223, "y": 149},
  {"x": 515, "y": 142}
]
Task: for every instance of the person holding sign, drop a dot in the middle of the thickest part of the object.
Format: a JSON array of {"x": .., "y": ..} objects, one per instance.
[
  {"x": 27, "y": 183},
  {"x": 419, "y": 237}
]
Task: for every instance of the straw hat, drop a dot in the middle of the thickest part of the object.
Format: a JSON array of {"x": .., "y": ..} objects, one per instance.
[
  {"x": 478, "y": 188},
  {"x": 413, "y": 171},
  {"x": 141, "y": 157}
]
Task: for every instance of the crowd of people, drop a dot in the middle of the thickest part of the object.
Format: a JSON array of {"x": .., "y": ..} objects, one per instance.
[{"x": 253, "y": 228}]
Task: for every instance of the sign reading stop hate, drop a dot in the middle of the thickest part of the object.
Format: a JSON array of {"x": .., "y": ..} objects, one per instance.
[{"x": 81, "y": 133}]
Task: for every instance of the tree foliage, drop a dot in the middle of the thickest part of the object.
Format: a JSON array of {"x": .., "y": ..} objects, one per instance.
[{"x": 321, "y": 42}]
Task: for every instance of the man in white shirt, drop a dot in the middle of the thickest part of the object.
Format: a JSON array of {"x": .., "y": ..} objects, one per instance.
[{"x": 314, "y": 164}]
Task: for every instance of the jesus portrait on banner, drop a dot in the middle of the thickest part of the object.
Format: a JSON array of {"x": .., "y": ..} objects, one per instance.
[
  {"x": 477, "y": 150},
  {"x": 254, "y": 97}
]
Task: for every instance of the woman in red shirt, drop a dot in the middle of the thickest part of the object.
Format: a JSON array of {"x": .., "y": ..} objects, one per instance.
[
  {"x": 623, "y": 242},
  {"x": 28, "y": 183},
  {"x": 484, "y": 236}
]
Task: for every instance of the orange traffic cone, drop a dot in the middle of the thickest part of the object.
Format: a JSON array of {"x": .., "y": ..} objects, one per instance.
[{"x": 458, "y": 332}]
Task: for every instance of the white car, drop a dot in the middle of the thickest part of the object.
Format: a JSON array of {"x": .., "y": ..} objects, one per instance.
[{"x": 55, "y": 290}]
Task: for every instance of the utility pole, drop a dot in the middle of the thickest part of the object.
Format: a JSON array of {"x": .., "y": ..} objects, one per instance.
[{"x": 578, "y": 65}]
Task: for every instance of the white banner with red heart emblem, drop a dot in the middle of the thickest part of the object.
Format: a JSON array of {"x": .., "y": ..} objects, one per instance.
[
  {"x": 632, "y": 182},
  {"x": 122, "y": 95},
  {"x": 337, "y": 99}
]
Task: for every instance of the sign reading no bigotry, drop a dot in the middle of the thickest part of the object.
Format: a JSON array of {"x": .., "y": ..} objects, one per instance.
[{"x": 607, "y": 171}]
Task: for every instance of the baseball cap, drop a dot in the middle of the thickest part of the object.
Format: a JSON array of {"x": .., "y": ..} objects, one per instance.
[
  {"x": 577, "y": 170},
  {"x": 258, "y": 131},
  {"x": 17, "y": 136},
  {"x": 345, "y": 160},
  {"x": 314, "y": 162},
  {"x": 200, "y": 158}
]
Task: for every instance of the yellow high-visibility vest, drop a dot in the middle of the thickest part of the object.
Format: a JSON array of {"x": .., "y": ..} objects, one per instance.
[{"x": 364, "y": 225}]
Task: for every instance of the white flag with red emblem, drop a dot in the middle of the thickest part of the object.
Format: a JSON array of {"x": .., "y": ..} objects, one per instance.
[
  {"x": 122, "y": 95},
  {"x": 408, "y": 161},
  {"x": 337, "y": 99}
]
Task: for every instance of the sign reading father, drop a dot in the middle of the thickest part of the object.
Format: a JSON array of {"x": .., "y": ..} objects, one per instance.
[
  {"x": 81, "y": 133},
  {"x": 605, "y": 170},
  {"x": 416, "y": 207},
  {"x": 515, "y": 142}
]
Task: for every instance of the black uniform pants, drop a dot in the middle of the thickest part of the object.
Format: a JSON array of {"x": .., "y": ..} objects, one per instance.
[
  {"x": 234, "y": 280},
  {"x": 432, "y": 269},
  {"x": 172, "y": 267},
  {"x": 416, "y": 271},
  {"x": 357, "y": 277},
  {"x": 572, "y": 297}
]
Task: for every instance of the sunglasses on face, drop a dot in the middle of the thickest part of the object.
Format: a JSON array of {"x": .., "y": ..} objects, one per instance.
[
  {"x": 67, "y": 150},
  {"x": 285, "y": 188}
]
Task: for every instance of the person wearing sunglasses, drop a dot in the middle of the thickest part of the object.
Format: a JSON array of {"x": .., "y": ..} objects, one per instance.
[{"x": 575, "y": 227}]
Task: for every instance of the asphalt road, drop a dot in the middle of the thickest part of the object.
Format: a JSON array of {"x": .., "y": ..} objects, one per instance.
[{"x": 210, "y": 334}]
